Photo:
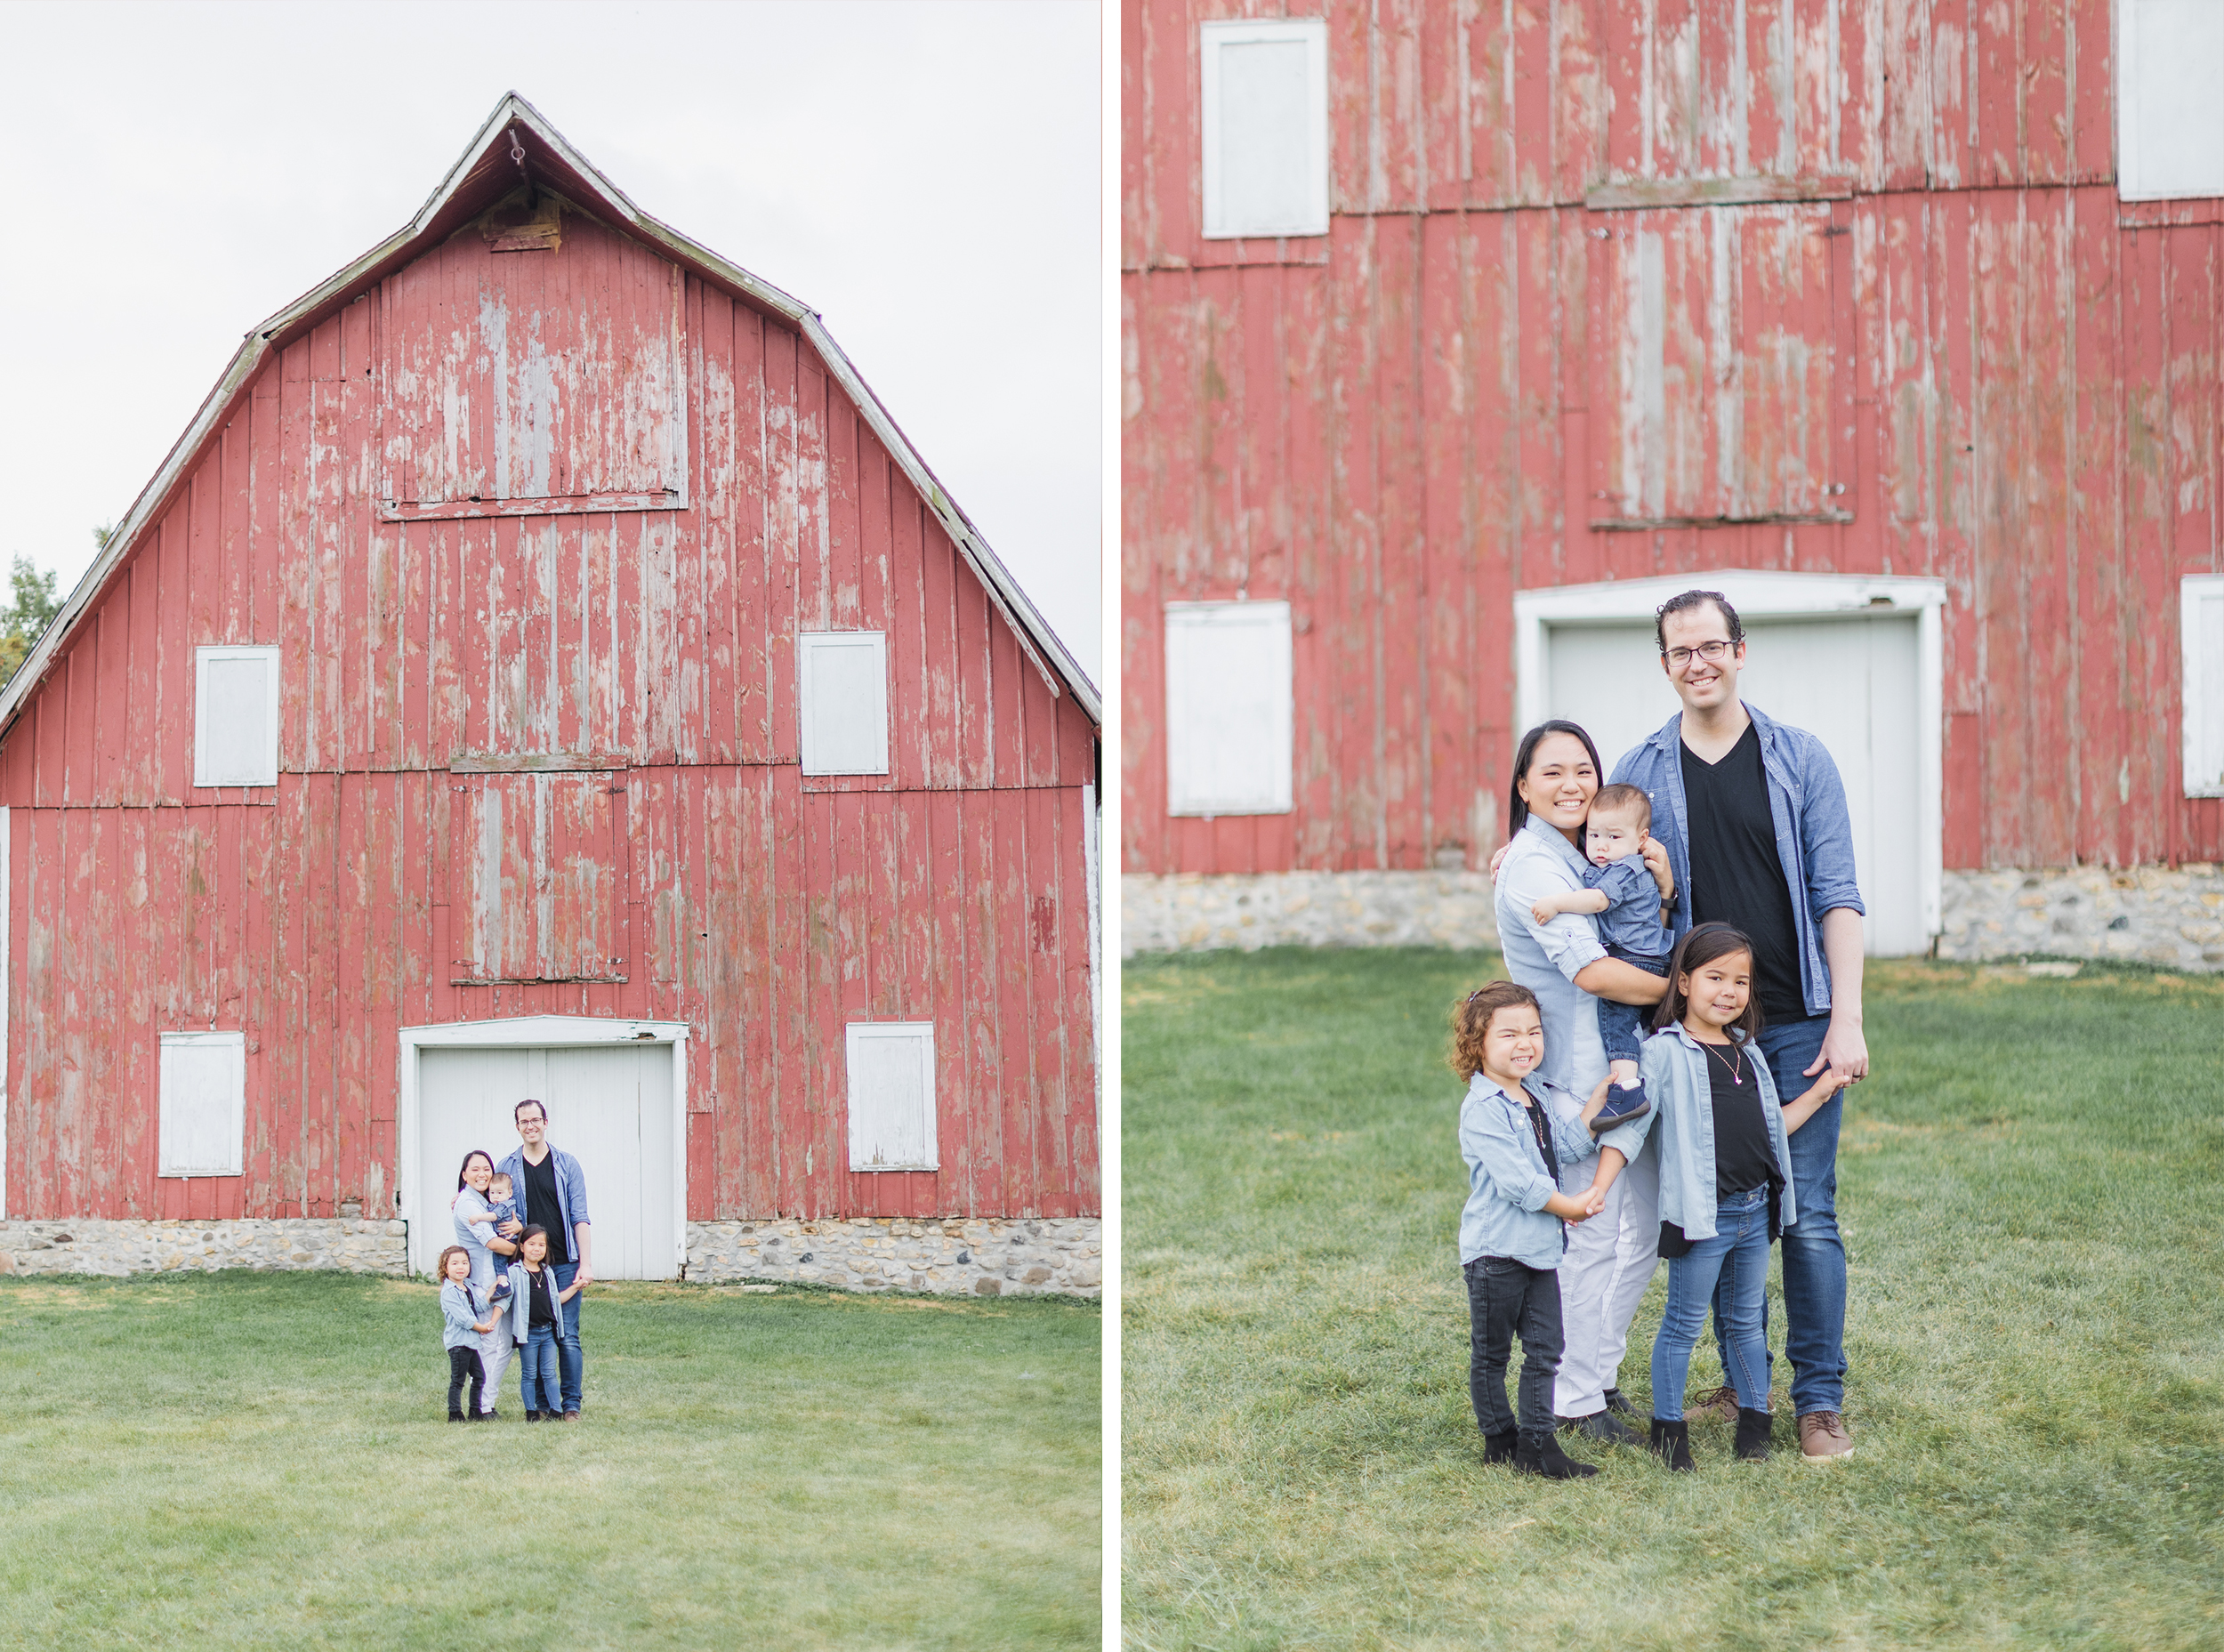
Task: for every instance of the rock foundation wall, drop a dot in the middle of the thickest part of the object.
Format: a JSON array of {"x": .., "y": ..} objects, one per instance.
[
  {"x": 953, "y": 1256},
  {"x": 2142, "y": 914},
  {"x": 972, "y": 1257},
  {"x": 349, "y": 1244},
  {"x": 2147, "y": 914}
]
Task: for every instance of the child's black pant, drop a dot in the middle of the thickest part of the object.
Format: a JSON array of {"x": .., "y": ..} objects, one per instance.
[
  {"x": 1506, "y": 1299},
  {"x": 463, "y": 1366}
]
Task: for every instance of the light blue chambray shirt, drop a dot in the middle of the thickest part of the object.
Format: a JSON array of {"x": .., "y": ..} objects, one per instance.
[
  {"x": 1806, "y": 801},
  {"x": 1546, "y": 958},
  {"x": 1506, "y": 1184},
  {"x": 1674, "y": 1069}
]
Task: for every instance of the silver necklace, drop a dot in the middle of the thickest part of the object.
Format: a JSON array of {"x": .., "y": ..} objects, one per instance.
[{"x": 1733, "y": 1061}]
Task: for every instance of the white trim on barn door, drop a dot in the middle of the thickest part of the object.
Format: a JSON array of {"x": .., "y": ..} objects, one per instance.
[
  {"x": 527, "y": 1032},
  {"x": 1760, "y": 595}
]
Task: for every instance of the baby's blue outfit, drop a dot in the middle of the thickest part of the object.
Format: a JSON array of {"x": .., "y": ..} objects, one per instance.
[{"x": 1631, "y": 930}]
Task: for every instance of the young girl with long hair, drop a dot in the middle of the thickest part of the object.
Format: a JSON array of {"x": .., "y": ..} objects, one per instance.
[
  {"x": 1726, "y": 1186},
  {"x": 464, "y": 1319}
]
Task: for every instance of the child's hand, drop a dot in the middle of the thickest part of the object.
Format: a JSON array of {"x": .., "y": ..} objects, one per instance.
[
  {"x": 1598, "y": 1099},
  {"x": 1593, "y": 1201}
]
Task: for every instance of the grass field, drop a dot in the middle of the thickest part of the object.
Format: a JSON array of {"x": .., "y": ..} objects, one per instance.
[
  {"x": 2032, "y": 1190},
  {"x": 262, "y": 1461}
]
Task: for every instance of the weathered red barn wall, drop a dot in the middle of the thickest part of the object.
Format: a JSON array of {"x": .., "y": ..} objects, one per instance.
[
  {"x": 763, "y": 907},
  {"x": 1399, "y": 424}
]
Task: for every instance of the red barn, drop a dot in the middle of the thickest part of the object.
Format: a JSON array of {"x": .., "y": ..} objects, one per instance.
[
  {"x": 542, "y": 668},
  {"x": 1456, "y": 337}
]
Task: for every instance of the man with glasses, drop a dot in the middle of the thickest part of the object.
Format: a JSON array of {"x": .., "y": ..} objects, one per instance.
[
  {"x": 551, "y": 1192},
  {"x": 1754, "y": 818}
]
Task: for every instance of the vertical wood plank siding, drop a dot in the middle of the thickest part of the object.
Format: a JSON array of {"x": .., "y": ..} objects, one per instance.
[
  {"x": 1396, "y": 425},
  {"x": 762, "y": 908}
]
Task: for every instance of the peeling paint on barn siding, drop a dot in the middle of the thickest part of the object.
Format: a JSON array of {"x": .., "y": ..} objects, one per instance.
[
  {"x": 626, "y": 678},
  {"x": 1396, "y": 425}
]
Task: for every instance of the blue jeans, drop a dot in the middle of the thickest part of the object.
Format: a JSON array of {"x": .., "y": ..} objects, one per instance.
[
  {"x": 1732, "y": 1267},
  {"x": 539, "y": 1382},
  {"x": 567, "y": 1343},
  {"x": 1814, "y": 1255}
]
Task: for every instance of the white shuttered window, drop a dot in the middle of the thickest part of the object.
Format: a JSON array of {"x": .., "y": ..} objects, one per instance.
[
  {"x": 844, "y": 694},
  {"x": 204, "y": 1103},
  {"x": 1229, "y": 711},
  {"x": 891, "y": 1095},
  {"x": 2201, "y": 625},
  {"x": 235, "y": 716},
  {"x": 2170, "y": 99},
  {"x": 1265, "y": 87}
]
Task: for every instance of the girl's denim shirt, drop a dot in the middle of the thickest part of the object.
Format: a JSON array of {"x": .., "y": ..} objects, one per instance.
[
  {"x": 461, "y": 1308},
  {"x": 1506, "y": 1181},
  {"x": 1674, "y": 1069}
]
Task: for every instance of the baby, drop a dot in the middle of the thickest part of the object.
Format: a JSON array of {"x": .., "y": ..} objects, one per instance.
[
  {"x": 501, "y": 1197},
  {"x": 1621, "y": 889}
]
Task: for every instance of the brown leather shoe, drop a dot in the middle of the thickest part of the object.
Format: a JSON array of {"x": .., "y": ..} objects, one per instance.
[
  {"x": 1720, "y": 1406},
  {"x": 1823, "y": 1437}
]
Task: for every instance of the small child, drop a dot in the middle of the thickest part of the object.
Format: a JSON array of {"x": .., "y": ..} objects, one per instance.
[
  {"x": 540, "y": 1313},
  {"x": 462, "y": 1326},
  {"x": 1517, "y": 1129},
  {"x": 1725, "y": 1189},
  {"x": 501, "y": 1202},
  {"x": 1631, "y": 906}
]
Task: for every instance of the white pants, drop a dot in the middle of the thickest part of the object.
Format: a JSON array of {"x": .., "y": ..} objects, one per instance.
[
  {"x": 494, "y": 1349},
  {"x": 1602, "y": 1278}
]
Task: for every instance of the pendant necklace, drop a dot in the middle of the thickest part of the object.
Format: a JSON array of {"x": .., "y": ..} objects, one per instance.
[{"x": 1733, "y": 1061}]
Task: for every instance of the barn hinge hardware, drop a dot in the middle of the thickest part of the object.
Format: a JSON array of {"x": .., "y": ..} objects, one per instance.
[{"x": 517, "y": 154}]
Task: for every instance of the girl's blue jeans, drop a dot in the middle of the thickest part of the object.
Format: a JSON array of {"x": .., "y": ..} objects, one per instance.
[
  {"x": 1736, "y": 1258},
  {"x": 540, "y": 1371}
]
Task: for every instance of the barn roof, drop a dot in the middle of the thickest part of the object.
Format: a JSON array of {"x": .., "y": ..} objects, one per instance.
[{"x": 487, "y": 172}]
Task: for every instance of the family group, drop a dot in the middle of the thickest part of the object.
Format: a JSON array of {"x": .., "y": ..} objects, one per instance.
[
  {"x": 1662, "y": 1078},
  {"x": 530, "y": 1212}
]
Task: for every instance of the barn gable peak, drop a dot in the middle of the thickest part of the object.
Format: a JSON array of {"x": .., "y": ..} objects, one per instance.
[{"x": 516, "y": 183}]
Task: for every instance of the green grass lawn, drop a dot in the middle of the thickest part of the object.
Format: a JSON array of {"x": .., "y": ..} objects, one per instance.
[
  {"x": 262, "y": 1460},
  {"x": 2032, "y": 1190}
]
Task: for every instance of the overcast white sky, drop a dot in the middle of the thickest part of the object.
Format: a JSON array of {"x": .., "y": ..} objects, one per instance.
[{"x": 926, "y": 174}]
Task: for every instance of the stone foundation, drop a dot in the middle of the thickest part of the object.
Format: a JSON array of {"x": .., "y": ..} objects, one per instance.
[
  {"x": 2145, "y": 915},
  {"x": 956, "y": 1257},
  {"x": 343, "y": 1243},
  {"x": 953, "y": 1256},
  {"x": 2141, "y": 915},
  {"x": 1191, "y": 913}
]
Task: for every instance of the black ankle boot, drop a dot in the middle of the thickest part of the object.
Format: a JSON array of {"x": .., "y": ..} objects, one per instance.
[
  {"x": 1672, "y": 1444},
  {"x": 1549, "y": 1460},
  {"x": 1500, "y": 1448},
  {"x": 1752, "y": 1435}
]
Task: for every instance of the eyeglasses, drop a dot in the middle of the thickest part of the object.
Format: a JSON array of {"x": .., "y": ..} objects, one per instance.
[{"x": 1714, "y": 653}]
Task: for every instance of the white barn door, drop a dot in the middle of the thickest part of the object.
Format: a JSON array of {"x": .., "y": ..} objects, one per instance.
[
  {"x": 1855, "y": 683},
  {"x": 610, "y": 1106}
]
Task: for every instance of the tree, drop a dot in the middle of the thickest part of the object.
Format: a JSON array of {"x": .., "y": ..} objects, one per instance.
[{"x": 31, "y": 608}]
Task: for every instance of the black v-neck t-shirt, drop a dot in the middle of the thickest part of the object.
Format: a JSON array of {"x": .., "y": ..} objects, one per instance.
[
  {"x": 1737, "y": 877},
  {"x": 542, "y": 1208},
  {"x": 1743, "y": 1158}
]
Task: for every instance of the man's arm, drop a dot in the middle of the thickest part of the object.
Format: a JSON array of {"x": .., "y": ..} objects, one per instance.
[
  {"x": 583, "y": 1248},
  {"x": 1843, "y": 1046}
]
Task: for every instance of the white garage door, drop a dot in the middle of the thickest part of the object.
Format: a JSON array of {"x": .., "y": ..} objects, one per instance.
[
  {"x": 1851, "y": 682},
  {"x": 610, "y": 1106}
]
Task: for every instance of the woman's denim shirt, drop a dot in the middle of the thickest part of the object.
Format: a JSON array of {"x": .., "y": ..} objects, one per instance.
[
  {"x": 1506, "y": 1183},
  {"x": 1674, "y": 1069},
  {"x": 1807, "y": 804},
  {"x": 460, "y": 1311},
  {"x": 474, "y": 1225}
]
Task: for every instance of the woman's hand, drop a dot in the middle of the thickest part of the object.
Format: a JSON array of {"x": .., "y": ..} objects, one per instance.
[{"x": 510, "y": 1228}]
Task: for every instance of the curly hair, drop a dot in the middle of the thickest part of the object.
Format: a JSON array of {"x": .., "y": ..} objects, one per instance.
[
  {"x": 1471, "y": 1022},
  {"x": 439, "y": 1268}
]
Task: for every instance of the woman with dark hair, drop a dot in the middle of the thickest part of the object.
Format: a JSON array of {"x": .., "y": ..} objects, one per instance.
[
  {"x": 475, "y": 1233},
  {"x": 1611, "y": 1258}
]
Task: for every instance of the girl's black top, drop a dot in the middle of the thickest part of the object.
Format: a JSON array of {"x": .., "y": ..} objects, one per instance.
[
  {"x": 1744, "y": 1159},
  {"x": 540, "y": 1291}
]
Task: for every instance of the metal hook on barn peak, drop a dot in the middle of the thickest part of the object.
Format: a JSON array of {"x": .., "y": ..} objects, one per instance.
[{"x": 517, "y": 155}]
